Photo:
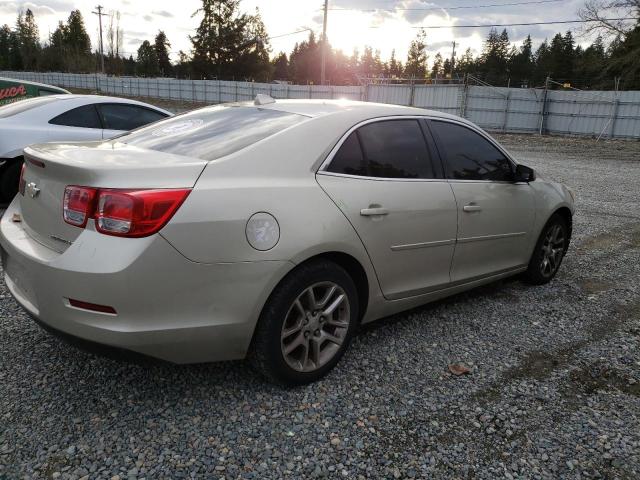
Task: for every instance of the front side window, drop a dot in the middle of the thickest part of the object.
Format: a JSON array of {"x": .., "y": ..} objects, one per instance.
[
  {"x": 385, "y": 149},
  {"x": 470, "y": 156},
  {"x": 127, "y": 117},
  {"x": 84, "y": 117},
  {"x": 212, "y": 132}
]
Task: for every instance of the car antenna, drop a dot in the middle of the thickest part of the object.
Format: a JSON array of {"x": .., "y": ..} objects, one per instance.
[{"x": 263, "y": 99}]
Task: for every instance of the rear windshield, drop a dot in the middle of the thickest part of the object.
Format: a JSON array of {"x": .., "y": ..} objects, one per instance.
[
  {"x": 23, "y": 105},
  {"x": 212, "y": 132}
]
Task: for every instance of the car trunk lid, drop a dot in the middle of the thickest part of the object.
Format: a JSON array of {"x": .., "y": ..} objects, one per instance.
[{"x": 50, "y": 168}]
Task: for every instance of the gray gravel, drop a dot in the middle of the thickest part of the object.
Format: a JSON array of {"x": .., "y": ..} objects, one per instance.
[{"x": 554, "y": 388}]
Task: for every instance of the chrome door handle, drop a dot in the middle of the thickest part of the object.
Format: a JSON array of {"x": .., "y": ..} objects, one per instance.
[
  {"x": 370, "y": 212},
  {"x": 472, "y": 208}
]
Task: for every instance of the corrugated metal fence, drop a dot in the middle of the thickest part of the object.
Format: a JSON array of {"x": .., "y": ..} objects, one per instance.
[{"x": 594, "y": 113}]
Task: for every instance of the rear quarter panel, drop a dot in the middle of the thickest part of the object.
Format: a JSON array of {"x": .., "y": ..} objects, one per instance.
[{"x": 276, "y": 176}]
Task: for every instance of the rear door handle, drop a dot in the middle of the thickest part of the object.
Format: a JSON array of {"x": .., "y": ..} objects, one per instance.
[
  {"x": 370, "y": 212},
  {"x": 472, "y": 208}
]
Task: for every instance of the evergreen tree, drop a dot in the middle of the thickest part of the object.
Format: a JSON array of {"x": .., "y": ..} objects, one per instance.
[
  {"x": 253, "y": 61},
  {"x": 437, "y": 69},
  {"x": 147, "y": 64},
  {"x": 522, "y": 64},
  {"x": 162, "y": 46},
  {"x": 416, "y": 66},
  {"x": 281, "y": 67},
  {"x": 29, "y": 39},
  {"x": 624, "y": 61},
  {"x": 77, "y": 44},
  {"x": 304, "y": 61},
  {"x": 228, "y": 43},
  {"x": 182, "y": 69},
  {"x": 495, "y": 58},
  {"x": 395, "y": 67},
  {"x": 465, "y": 64},
  {"x": 15, "y": 52},
  {"x": 5, "y": 46},
  {"x": 446, "y": 68}
]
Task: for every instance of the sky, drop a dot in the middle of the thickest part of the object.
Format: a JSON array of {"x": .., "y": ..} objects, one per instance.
[{"x": 383, "y": 24}]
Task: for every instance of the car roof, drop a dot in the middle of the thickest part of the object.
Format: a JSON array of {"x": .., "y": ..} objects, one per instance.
[
  {"x": 365, "y": 110},
  {"x": 103, "y": 99}
]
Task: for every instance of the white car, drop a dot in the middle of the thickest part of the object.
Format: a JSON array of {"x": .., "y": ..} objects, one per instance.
[{"x": 66, "y": 118}]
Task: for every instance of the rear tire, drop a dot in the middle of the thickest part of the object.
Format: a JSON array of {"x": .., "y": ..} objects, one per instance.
[
  {"x": 549, "y": 252},
  {"x": 306, "y": 325},
  {"x": 9, "y": 180}
]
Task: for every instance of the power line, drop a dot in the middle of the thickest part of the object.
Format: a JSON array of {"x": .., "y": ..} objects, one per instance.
[
  {"x": 522, "y": 24},
  {"x": 291, "y": 33},
  {"x": 465, "y": 7}
]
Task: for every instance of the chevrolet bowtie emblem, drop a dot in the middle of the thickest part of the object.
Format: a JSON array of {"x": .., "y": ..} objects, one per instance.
[{"x": 32, "y": 189}]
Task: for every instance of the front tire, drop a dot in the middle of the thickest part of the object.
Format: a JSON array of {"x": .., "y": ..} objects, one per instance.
[
  {"x": 549, "y": 251},
  {"x": 306, "y": 325}
]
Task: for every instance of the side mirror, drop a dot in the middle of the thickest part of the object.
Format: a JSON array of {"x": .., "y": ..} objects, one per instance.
[{"x": 525, "y": 174}]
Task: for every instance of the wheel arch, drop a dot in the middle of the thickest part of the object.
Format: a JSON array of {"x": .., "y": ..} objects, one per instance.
[
  {"x": 350, "y": 264},
  {"x": 565, "y": 213}
]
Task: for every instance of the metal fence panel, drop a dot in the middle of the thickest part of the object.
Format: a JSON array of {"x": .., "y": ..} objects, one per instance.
[
  {"x": 594, "y": 113},
  {"x": 395, "y": 94},
  {"x": 443, "y": 98}
]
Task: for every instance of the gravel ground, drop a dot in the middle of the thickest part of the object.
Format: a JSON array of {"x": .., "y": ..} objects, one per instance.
[{"x": 554, "y": 388}]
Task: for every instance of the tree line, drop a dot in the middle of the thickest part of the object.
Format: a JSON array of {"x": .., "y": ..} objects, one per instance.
[{"x": 230, "y": 44}]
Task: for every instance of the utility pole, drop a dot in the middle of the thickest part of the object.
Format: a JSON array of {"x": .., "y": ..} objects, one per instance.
[
  {"x": 100, "y": 15},
  {"x": 453, "y": 59},
  {"x": 323, "y": 69}
]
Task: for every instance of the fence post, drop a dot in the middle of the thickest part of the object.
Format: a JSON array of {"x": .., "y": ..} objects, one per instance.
[
  {"x": 236, "y": 84},
  {"x": 614, "y": 113},
  {"x": 463, "y": 99},
  {"x": 543, "y": 108},
  {"x": 506, "y": 111},
  {"x": 412, "y": 93},
  {"x": 366, "y": 92}
]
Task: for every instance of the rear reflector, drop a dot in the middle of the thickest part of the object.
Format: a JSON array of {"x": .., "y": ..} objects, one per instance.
[
  {"x": 123, "y": 213},
  {"x": 92, "y": 306}
]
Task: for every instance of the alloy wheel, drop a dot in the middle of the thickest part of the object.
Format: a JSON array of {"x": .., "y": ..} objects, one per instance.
[
  {"x": 553, "y": 247},
  {"x": 315, "y": 326}
]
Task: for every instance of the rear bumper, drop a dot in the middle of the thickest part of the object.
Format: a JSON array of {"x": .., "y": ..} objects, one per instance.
[{"x": 167, "y": 307}]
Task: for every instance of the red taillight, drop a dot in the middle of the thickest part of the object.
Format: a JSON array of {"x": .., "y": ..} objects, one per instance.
[
  {"x": 129, "y": 213},
  {"x": 23, "y": 183},
  {"x": 78, "y": 205}
]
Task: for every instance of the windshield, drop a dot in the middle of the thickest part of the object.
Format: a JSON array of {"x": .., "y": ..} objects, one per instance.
[
  {"x": 212, "y": 132},
  {"x": 23, "y": 105}
]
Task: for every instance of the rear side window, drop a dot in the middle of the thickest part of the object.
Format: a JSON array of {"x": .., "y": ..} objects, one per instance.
[
  {"x": 385, "y": 149},
  {"x": 349, "y": 159},
  {"x": 84, "y": 117},
  {"x": 127, "y": 117},
  {"x": 470, "y": 156},
  {"x": 212, "y": 132}
]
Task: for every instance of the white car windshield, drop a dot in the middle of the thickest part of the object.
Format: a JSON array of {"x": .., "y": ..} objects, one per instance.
[{"x": 212, "y": 132}]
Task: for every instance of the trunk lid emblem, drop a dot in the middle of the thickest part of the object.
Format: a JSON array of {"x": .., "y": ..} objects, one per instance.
[{"x": 32, "y": 189}]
